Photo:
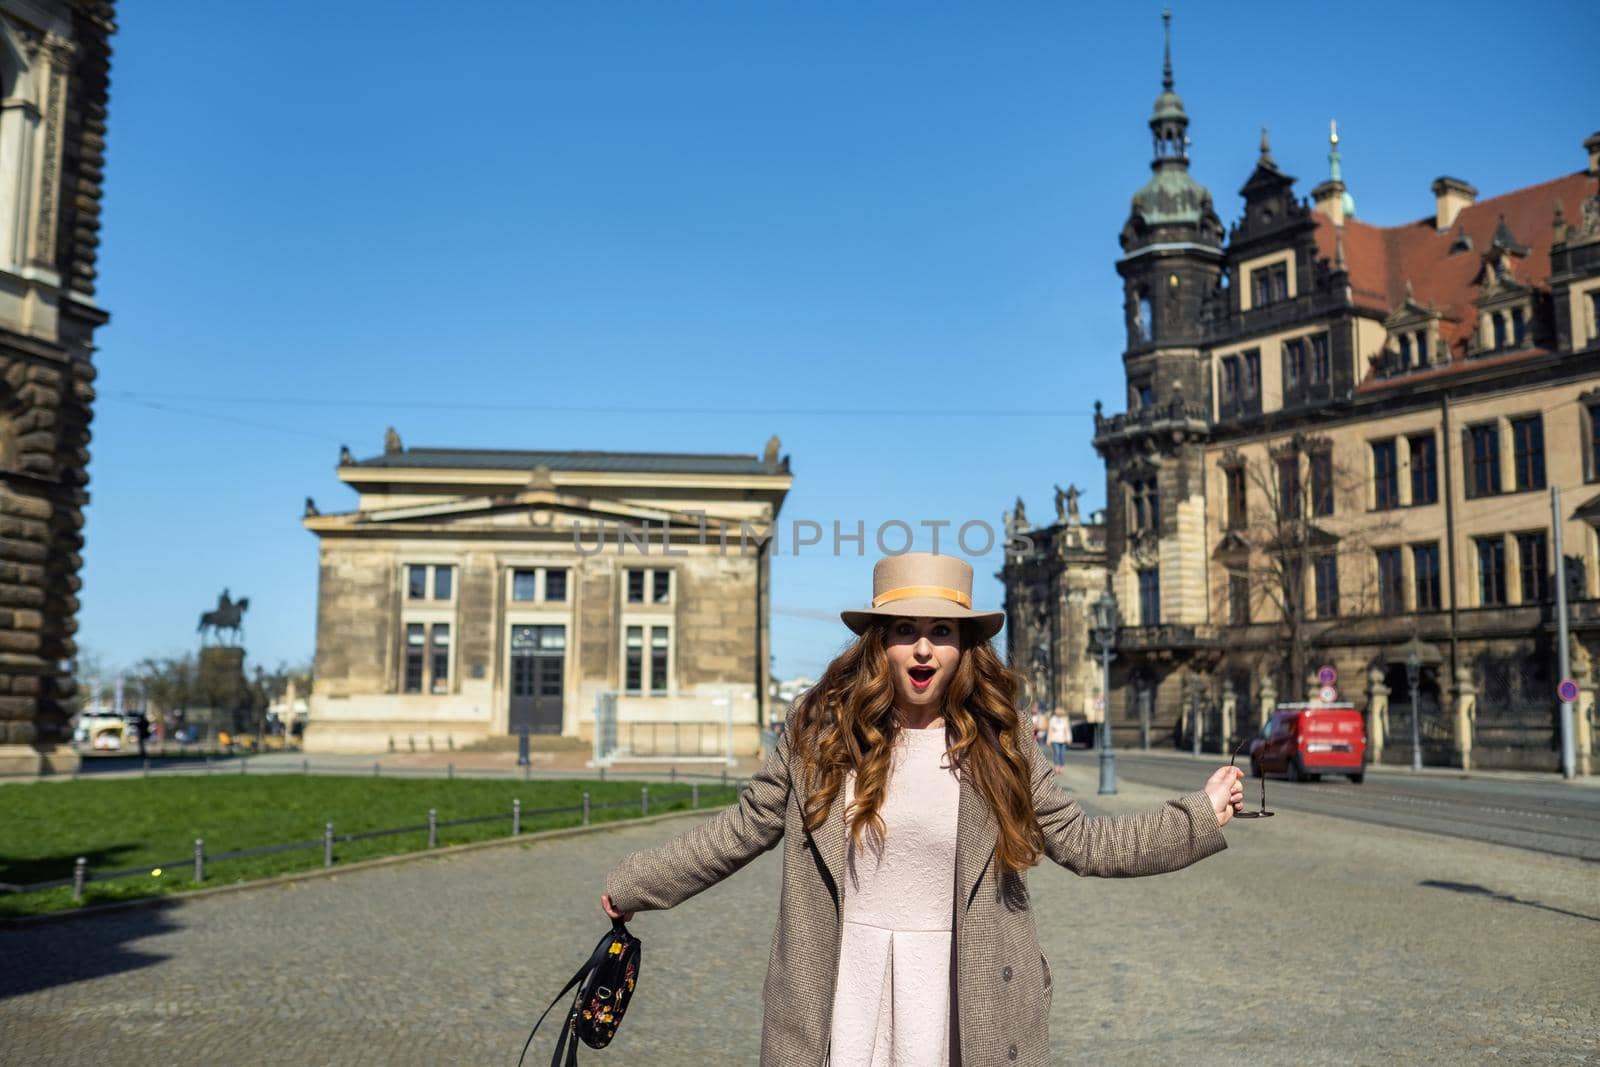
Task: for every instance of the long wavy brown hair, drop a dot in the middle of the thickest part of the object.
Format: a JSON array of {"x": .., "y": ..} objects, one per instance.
[{"x": 846, "y": 722}]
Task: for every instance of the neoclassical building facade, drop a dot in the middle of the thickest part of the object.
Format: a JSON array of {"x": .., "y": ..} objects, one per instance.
[
  {"x": 54, "y": 67},
  {"x": 472, "y": 592},
  {"x": 1338, "y": 448}
]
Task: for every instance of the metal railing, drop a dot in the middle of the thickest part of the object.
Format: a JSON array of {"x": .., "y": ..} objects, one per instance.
[{"x": 82, "y": 874}]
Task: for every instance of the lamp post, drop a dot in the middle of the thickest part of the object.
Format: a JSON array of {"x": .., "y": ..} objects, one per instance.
[
  {"x": 1414, "y": 678},
  {"x": 1105, "y": 632}
]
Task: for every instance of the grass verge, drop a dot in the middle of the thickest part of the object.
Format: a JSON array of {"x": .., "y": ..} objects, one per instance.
[{"x": 152, "y": 823}]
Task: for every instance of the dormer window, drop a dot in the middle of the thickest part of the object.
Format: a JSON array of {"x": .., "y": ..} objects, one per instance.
[
  {"x": 1405, "y": 351},
  {"x": 1519, "y": 326},
  {"x": 1498, "y": 321},
  {"x": 1269, "y": 284}
]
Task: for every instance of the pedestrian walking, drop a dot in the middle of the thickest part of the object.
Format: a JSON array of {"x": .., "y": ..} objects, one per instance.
[
  {"x": 1060, "y": 733},
  {"x": 1040, "y": 725},
  {"x": 910, "y": 801}
]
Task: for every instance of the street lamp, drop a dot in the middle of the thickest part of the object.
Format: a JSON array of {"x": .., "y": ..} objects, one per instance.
[
  {"x": 1105, "y": 632},
  {"x": 1414, "y": 678}
]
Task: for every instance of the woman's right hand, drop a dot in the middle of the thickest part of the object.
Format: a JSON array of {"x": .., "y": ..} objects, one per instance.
[{"x": 605, "y": 905}]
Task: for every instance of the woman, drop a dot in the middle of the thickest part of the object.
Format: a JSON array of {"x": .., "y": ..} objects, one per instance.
[
  {"x": 1060, "y": 734},
  {"x": 910, "y": 800}
]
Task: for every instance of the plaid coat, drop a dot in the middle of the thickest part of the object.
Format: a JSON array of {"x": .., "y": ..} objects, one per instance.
[{"x": 1002, "y": 980}]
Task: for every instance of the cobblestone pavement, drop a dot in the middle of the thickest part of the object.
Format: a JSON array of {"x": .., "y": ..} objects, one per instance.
[{"x": 1311, "y": 940}]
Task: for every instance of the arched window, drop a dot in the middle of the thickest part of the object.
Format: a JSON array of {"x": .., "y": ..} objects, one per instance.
[{"x": 1147, "y": 321}]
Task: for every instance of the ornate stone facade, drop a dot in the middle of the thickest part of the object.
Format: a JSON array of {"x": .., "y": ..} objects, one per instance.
[
  {"x": 473, "y": 591},
  {"x": 54, "y": 65},
  {"x": 1339, "y": 444},
  {"x": 1050, "y": 589}
]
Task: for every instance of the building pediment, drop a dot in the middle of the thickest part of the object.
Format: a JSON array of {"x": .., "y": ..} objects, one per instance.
[
  {"x": 1589, "y": 511},
  {"x": 537, "y": 508}
]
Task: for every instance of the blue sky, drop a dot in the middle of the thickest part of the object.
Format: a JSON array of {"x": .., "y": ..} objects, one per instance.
[{"x": 884, "y": 232}]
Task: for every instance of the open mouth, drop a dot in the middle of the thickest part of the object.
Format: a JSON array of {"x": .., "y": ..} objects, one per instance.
[{"x": 921, "y": 677}]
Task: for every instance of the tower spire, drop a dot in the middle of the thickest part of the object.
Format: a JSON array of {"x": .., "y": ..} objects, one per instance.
[
  {"x": 1333, "y": 151},
  {"x": 1166, "y": 64}
]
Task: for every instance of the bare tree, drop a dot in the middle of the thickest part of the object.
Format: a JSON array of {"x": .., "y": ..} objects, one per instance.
[{"x": 1286, "y": 521}]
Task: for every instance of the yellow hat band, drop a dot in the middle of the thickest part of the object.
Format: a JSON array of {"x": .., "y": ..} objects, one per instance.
[{"x": 943, "y": 592}]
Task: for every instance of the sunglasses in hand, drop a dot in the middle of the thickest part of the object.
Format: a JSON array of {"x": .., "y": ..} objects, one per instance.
[{"x": 1263, "y": 813}]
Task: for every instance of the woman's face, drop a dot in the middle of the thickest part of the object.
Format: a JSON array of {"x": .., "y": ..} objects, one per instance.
[{"x": 923, "y": 654}]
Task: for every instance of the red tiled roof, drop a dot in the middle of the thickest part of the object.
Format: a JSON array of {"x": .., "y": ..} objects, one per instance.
[{"x": 1381, "y": 260}]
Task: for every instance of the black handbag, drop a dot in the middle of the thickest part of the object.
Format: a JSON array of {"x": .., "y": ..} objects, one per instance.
[{"x": 605, "y": 985}]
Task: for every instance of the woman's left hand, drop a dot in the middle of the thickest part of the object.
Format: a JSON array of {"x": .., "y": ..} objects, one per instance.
[{"x": 1226, "y": 790}]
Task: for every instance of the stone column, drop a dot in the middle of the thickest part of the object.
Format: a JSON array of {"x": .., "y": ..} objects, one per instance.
[
  {"x": 1377, "y": 713},
  {"x": 1230, "y": 707},
  {"x": 1269, "y": 699},
  {"x": 1466, "y": 713},
  {"x": 1583, "y": 712}
]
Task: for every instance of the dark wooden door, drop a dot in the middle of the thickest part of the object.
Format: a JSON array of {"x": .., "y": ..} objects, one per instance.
[{"x": 538, "y": 662}]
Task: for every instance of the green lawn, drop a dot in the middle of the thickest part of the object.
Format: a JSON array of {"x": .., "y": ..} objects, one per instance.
[{"x": 143, "y": 822}]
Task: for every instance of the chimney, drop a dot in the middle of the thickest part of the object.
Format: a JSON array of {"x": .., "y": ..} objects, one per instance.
[
  {"x": 1593, "y": 145},
  {"x": 1450, "y": 196}
]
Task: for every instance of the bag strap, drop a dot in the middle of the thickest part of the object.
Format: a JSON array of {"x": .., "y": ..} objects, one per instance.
[{"x": 596, "y": 958}]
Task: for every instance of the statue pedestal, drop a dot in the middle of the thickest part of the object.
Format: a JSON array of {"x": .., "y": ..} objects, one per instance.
[{"x": 38, "y": 761}]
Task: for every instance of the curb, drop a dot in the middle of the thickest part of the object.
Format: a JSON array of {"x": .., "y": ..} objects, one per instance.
[
  {"x": 1392, "y": 770},
  {"x": 178, "y": 899}
]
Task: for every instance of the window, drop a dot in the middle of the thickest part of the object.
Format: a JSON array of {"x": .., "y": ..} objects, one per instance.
[
  {"x": 1385, "y": 476},
  {"x": 643, "y": 673},
  {"x": 1322, "y": 483},
  {"x": 525, "y": 584},
  {"x": 1238, "y": 506},
  {"x": 1425, "y": 567},
  {"x": 1252, "y": 373},
  {"x": 1527, "y": 443},
  {"x": 416, "y": 648},
  {"x": 658, "y": 582},
  {"x": 1533, "y": 561},
  {"x": 1231, "y": 385},
  {"x": 1321, "y": 363},
  {"x": 1594, "y": 314},
  {"x": 1146, "y": 319},
  {"x": 1422, "y": 348},
  {"x": 1239, "y": 599},
  {"x": 1424, "y": 470},
  {"x": 1294, "y": 363},
  {"x": 1143, "y": 395},
  {"x": 1594, "y": 439},
  {"x": 1498, "y": 320},
  {"x": 1289, "y": 504},
  {"x": 1491, "y": 571},
  {"x": 658, "y": 659},
  {"x": 1405, "y": 351},
  {"x": 1391, "y": 582},
  {"x": 1146, "y": 505},
  {"x": 1519, "y": 326},
  {"x": 633, "y": 671},
  {"x": 417, "y": 584},
  {"x": 439, "y": 665},
  {"x": 1268, "y": 285},
  {"x": 1150, "y": 597},
  {"x": 1327, "y": 579},
  {"x": 1483, "y": 460}
]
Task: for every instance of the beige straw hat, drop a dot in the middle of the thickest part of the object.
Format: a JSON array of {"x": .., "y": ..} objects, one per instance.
[{"x": 920, "y": 585}]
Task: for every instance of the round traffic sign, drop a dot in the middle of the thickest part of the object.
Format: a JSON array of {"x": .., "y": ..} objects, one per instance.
[
  {"x": 1567, "y": 691},
  {"x": 1327, "y": 675},
  {"x": 1329, "y": 694}
]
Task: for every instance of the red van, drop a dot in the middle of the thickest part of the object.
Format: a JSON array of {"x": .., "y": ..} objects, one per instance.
[{"x": 1306, "y": 741}]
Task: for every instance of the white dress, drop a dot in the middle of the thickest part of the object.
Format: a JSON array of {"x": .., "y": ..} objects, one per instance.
[{"x": 891, "y": 1004}]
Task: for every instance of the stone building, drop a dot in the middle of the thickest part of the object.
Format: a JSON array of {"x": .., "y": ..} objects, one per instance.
[
  {"x": 1049, "y": 590},
  {"x": 1338, "y": 448},
  {"x": 471, "y": 592},
  {"x": 54, "y": 65}
]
